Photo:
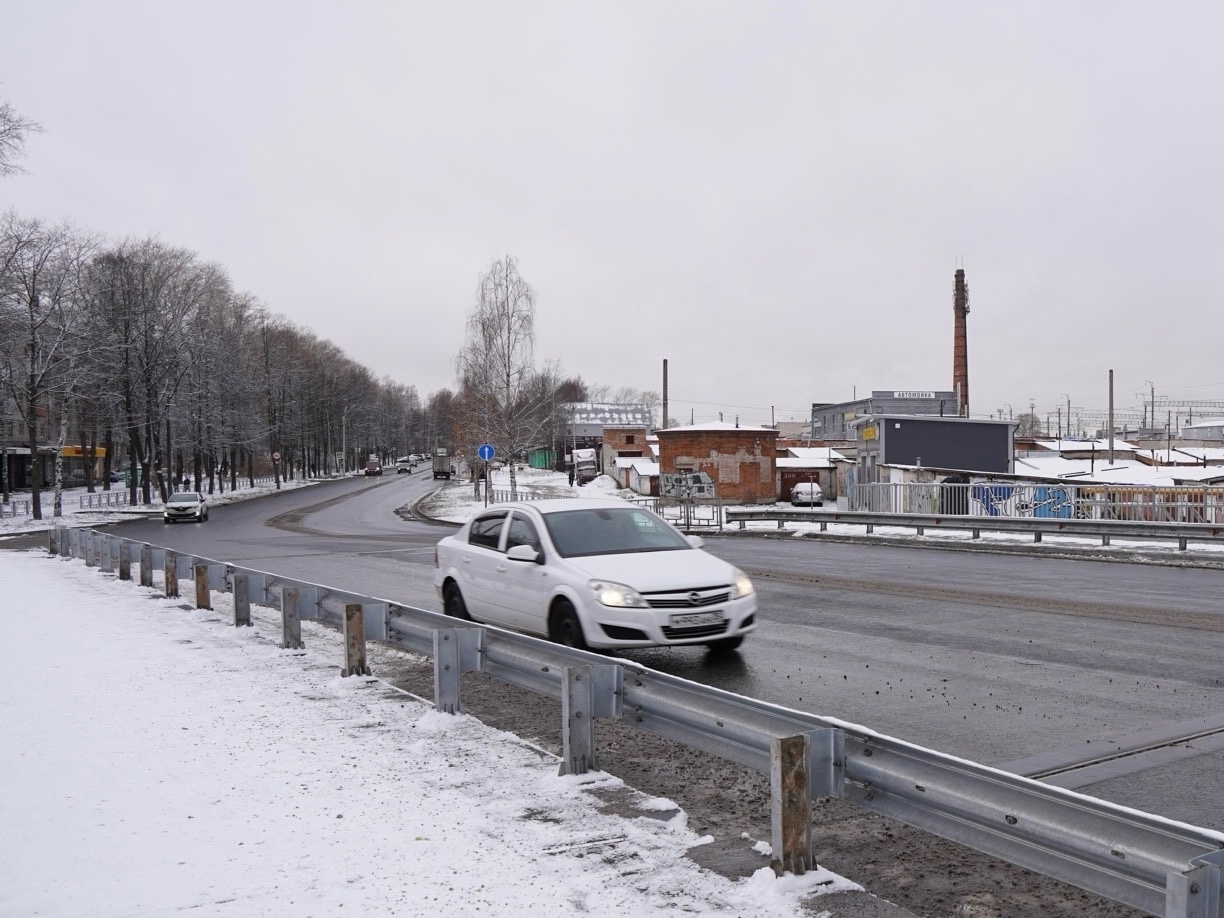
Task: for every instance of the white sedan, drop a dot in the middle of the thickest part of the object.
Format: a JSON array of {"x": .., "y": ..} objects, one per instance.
[
  {"x": 185, "y": 505},
  {"x": 592, "y": 573}
]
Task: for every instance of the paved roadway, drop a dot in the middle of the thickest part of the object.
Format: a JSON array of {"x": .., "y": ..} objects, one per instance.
[{"x": 1003, "y": 659}]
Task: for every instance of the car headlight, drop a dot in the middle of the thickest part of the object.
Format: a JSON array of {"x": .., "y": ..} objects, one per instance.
[
  {"x": 617, "y": 595},
  {"x": 741, "y": 585}
]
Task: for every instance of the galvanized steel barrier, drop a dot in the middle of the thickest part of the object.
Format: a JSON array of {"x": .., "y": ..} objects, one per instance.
[
  {"x": 1105, "y": 530},
  {"x": 1162, "y": 867}
]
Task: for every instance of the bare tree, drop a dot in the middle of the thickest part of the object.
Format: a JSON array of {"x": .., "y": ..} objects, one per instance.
[
  {"x": 13, "y": 132},
  {"x": 496, "y": 368},
  {"x": 39, "y": 307}
]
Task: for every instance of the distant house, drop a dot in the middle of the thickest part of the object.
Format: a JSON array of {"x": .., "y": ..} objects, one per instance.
[{"x": 735, "y": 464}]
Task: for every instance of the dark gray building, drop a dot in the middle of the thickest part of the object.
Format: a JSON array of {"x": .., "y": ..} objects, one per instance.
[
  {"x": 960, "y": 444},
  {"x": 836, "y": 421}
]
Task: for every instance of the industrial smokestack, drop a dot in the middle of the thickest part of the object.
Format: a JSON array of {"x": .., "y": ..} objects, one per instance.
[
  {"x": 663, "y": 421},
  {"x": 960, "y": 344}
]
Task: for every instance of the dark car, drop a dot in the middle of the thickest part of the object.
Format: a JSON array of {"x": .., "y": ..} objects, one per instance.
[{"x": 373, "y": 467}]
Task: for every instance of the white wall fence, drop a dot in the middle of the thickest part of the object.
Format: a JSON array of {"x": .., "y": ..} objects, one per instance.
[{"x": 1182, "y": 504}]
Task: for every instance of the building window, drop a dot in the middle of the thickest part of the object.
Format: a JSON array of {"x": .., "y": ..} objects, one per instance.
[{"x": 629, "y": 438}]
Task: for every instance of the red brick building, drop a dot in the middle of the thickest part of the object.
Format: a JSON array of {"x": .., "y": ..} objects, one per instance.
[{"x": 736, "y": 464}]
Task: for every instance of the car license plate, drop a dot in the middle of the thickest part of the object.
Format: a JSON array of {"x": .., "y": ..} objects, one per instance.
[{"x": 696, "y": 618}]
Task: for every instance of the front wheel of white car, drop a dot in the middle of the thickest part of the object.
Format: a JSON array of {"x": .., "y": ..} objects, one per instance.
[
  {"x": 564, "y": 627},
  {"x": 452, "y": 601}
]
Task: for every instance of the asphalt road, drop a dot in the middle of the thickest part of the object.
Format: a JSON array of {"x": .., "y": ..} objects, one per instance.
[{"x": 998, "y": 658}]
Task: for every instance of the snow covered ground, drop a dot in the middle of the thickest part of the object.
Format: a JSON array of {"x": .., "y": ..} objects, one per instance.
[{"x": 157, "y": 759}]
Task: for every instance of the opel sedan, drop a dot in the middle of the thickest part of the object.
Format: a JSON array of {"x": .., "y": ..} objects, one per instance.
[{"x": 592, "y": 573}]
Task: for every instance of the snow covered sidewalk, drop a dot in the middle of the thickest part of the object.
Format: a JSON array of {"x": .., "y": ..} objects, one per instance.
[{"x": 156, "y": 760}]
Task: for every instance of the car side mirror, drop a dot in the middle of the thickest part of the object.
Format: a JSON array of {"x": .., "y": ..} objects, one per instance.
[
  {"x": 525, "y": 553},
  {"x": 695, "y": 541}
]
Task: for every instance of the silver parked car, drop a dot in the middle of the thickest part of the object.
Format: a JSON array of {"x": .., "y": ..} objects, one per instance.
[
  {"x": 185, "y": 505},
  {"x": 592, "y": 573}
]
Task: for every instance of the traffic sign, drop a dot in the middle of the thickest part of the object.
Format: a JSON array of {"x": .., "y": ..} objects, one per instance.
[
  {"x": 276, "y": 457},
  {"x": 485, "y": 452}
]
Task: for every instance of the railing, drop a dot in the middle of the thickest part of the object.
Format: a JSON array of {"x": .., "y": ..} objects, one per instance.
[
  {"x": 15, "y": 508},
  {"x": 1105, "y": 530},
  {"x": 1159, "y": 866},
  {"x": 1181, "y": 504}
]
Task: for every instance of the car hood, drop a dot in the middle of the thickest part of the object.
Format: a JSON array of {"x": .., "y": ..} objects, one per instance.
[{"x": 655, "y": 571}]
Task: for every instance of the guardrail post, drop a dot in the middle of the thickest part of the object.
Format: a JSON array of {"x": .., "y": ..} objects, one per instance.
[
  {"x": 977, "y": 533},
  {"x": 203, "y": 594},
  {"x": 91, "y": 549},
  {"x": 921, "y": 530},
  {"x": 53, "y": 541},
  {"x": 870, "y": 529},
  {"x": 790, "y": 805},
  {"x": 827, "y": 762},
  {"x": 146, "y": 565},
  {"x": 108, "y": 560},
  {"x": 354, "y": 641},
  {"x": 242, "y": 600},
  {"x": 1105, "y": 540},
  {"x": 291, "y": 620},
  {"x": 447, "y": 670},
  {"x": 171, "y": 567},
  {"x": 577, "y": 721},
  {"x": 824, "y": 526},
  {"x": 1197, "y": 893},
  {"x": 743, "y": 524},
  {"x": 1181, "y": 544},
  {"x": 1036, "y": 536},
  {"x": 125, "y": 559}
]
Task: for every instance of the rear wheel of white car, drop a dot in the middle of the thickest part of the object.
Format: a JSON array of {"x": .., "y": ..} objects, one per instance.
[
  {"x": 564, "y": 627},
  {"x": 452, "y": 602},
  {"x": 725, "y": 645}
]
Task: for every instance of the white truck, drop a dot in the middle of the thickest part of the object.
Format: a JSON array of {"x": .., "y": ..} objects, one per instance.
[
  {"x": 441, "y": 462},
  {"x": 584, "y": 466}
]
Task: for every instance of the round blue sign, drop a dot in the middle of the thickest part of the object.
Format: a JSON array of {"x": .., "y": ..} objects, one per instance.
[{"x": 485, "y": 452}]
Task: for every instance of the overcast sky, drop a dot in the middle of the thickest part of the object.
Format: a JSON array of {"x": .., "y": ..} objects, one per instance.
[{"x": 774, "y": 197}]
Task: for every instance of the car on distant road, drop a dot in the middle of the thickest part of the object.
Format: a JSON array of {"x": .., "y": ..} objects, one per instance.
[
  {"x": 598, "y": 573},
  {"x": 373, "y": 467},
  {"x": 185, "y": 505},
  {"x": 405, "y": 464}
]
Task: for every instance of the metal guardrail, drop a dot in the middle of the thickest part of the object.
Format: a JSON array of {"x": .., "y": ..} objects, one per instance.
[
  {"x": 1159, "y": 866},
  {"x": 1105, "y": 530}
]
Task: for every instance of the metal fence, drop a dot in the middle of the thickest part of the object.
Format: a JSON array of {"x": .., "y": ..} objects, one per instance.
[
  {"x": 15, "y": 507},
  {"x": 1183, "y": 504},
  {"x": 1159, "y": 866}
]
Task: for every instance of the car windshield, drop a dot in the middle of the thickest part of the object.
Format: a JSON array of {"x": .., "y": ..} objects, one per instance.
[
  {"x": 610, "y": 531},
  {"x": 183, "y": 499}
]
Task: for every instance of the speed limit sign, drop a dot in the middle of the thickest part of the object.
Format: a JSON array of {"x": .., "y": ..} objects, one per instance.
[{"x": 276, "y": 457}]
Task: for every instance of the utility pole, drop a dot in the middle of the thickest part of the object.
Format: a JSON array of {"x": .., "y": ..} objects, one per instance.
[{"x": 1111, "y": 419}]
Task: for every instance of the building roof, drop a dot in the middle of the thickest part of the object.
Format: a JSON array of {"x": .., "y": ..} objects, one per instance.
[
  {"x": 609, "y": 414},
  {"x": 645, "y": 467},
  {"x": 718, "y": 427}
]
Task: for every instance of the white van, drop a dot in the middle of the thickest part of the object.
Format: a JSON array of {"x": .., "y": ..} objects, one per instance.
[{"x": 807, "y": 494}]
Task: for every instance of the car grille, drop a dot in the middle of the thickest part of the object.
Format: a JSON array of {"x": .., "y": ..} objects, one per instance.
[
  {"x": 694, "y": 632},
  {"x": 688, "y": 599}
]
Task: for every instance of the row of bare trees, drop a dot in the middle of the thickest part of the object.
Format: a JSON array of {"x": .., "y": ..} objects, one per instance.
[{"x": 143, "y": 349}]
